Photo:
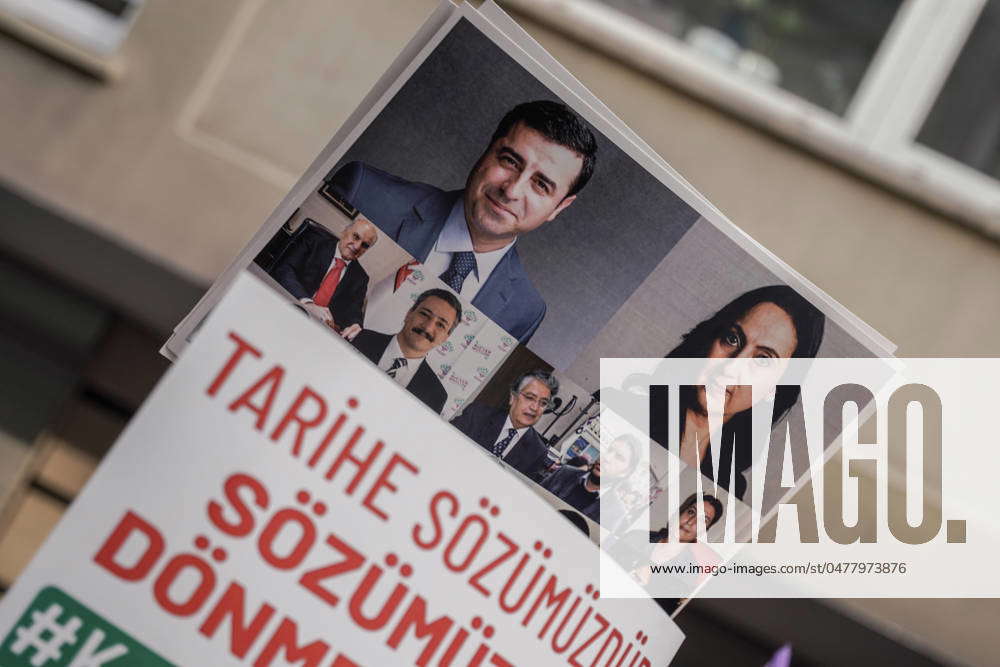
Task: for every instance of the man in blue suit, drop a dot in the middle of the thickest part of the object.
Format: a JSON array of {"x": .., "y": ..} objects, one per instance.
[{"x": 539, "y": 158}]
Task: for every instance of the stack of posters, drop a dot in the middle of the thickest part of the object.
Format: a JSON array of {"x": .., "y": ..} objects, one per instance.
[{"x": 380, "y": 443}]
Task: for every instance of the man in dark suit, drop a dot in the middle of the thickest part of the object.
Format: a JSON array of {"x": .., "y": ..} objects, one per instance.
[
  {"x": 539, "y": 158},
  {"x": 323, "y": 273},
  {"x": 428, "y": 323},
  {"x": 510, "y": 434},
  {"x": 582, "y": 489}
]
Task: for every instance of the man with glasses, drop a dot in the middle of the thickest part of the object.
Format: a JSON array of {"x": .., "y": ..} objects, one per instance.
[{"x": 509, "y": 434}]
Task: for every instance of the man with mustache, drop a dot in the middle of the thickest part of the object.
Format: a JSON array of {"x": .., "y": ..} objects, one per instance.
[
  {"x": 540, "y": 156},
  {"x": 509, "y": 434},
  {"x": 428, "y": 323}
]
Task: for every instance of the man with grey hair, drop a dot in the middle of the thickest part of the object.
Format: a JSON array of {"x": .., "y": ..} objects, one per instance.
[
  {"x": 322, "y": 271},
  {"x": 509, "y": 434}
]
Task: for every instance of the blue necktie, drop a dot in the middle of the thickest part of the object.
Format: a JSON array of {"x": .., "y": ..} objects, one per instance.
[
  {"x": 502, "y": 444},
  {"x": 462, "y": 263}
]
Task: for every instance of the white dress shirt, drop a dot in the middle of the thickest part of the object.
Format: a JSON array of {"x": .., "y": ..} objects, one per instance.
[
  {"x": 393, "y": 352},
  {"x": 454, "y": 237},
  {"x": 507, "y": 425}
]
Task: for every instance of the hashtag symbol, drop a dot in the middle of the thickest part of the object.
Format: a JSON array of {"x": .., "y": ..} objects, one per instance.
[{"x": 46, "y": 635}]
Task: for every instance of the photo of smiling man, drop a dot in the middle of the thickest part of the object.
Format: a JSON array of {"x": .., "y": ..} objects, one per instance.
[
  {"x": 539, "y": 157},
  {"x": 510, "y": 434},
  {"x": 500, "y": 188},
  {"x": 427, "y": 324}
]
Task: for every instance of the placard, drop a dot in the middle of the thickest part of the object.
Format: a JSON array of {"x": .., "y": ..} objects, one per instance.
[{"x": 260, "y": 510}]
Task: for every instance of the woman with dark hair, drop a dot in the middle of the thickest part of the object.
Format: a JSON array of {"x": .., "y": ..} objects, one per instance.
[
  {"x": 687, "y": 519},
  {"x": 632, "y": 549},
  {"x": 767, "y": 323}
]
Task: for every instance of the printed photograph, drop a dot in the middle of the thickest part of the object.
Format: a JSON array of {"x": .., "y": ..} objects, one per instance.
[
  {"x": 482, "y": 243},
  {"x": 505, "y": 193}
]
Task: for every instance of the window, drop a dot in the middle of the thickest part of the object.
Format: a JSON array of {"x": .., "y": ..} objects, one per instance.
[
  {"x": 903, "y": 91},
  {"x": 818, "y": 50},
  {"x": 964, "y": 122},
  {"x": 97, "y": 27}
]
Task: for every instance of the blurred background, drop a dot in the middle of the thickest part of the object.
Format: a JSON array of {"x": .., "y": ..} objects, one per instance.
[{"x": 858, "y": 140}]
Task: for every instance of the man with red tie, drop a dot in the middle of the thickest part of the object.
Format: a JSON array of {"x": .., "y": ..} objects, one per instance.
[{"x": 323, "y": 273}]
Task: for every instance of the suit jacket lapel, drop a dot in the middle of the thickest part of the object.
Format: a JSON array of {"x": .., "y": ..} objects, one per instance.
[
  {"x": 497, "y": 289},
  {"x": 425, "y": 376},
  {"x": 524, "y": 448},
  {"x": 493, "y": 426},
  {"x": 345, "y": 280},
  {"x": 372, "y": 344},
  {"x": 319, "y": 263},
  {"x": 351, "y": 275},
  {"x": 419, "y": 230},
  {"x": 420, "y": 377}
]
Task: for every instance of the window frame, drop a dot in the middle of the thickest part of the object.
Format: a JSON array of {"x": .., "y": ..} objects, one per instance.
[
  {"x": 80, "y": 24},
  {"x": 876, "y": 137}
]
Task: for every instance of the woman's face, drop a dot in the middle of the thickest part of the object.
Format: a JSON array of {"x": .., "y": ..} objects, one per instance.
[
  {"x": 687, "y": 525},
  {"x": 764, "y": 334}
]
